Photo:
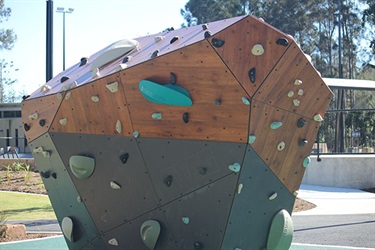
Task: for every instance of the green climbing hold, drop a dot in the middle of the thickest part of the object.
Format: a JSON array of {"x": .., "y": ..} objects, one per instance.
[
  {"x": 276, "y": 125},
  {"x": 150, "y": 231},
  {"x": 156, "y": 116},
  {"x": 236, "y": 167},
  {"x": 185, "y": 220},
  {"x": 245, "y": 100},
  {"x": 82, "y": 166},
  {"x": 281, "y": 231},
  {"x": 306, "y": 161},
  {"x": 252, "y": 139}
]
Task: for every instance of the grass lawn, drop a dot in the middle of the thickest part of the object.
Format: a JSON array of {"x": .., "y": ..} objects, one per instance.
[{"x": 19, "y": 206}]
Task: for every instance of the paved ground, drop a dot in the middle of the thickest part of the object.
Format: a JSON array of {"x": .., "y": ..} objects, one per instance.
[{"x": 344, "y": 219}]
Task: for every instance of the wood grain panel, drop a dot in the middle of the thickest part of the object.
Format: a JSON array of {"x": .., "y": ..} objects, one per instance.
[
  {"x": 286, "y": 164},
  {"x": 46, "y": 108},
  {"x": 201, "y": 72},
  {"x": 88, "y": 117},
  {"x": 314, "y": 96},
  {"x": 239, "y": 41}
]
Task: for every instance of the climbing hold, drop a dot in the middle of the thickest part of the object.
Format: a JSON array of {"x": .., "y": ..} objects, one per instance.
[
  {"x": 252, "y": 139},
  {"x": 25, "y": 97},
  {"x": 291, "y": 93},
  {"x": 82, "y": 167},
  {"x": 185, "y": 117},
  {"x": 54, "y": 175},
  {"x": 185, "y": 220},
  {"x": 46, "y": 154},
  {"x": 198, "y": 246},
  {"x": 257, "y": 50},
  {"x": 121, "y": 66},
  {"x": 236, "y": 167},
  {"x": 63, "y": 121},
  {"x": 173, "y": 78},
  {"x": 207, "y": 34},
  {"x": 217, "y": 42},
  {"x": 239, "y": 189},
  {"x": 33, "y": 116},
  {"x": 114, "y": 185},
  {"x": 272, "y": 196},
  {"x": 276, "y": 125},
  {"x": 59, "y": 96},
  {"x": 118, "y": 127},
  {"x": 204, "y": 27},
  {"x": 168, "y": 94},
  {"x": 296, "y": 102},
  {"x": 67, "y": 227},
  {"x": 282, "y": 41},
  {"x": 95, "y": 98},
  {"x": 301, "y": 123},
  {"x": 156, "y": 116},
  {"x": 155, "y": 53},
  {"x": 300, "y": 92},
  {"x": 158, "y": 38},
  {"x": 251, "y": 74},
  {"x": 281, "y": 146},
  {"x": 67, "y": 96},
  {"x": 174, "y": 39},
  {"x": 95, "y": 73},
  {"x": 281, "y": 231},
  {"x": 245, "y": 100},
  {"x": 38, "y": 150},
  {"x": 69, "y": 86},
  {"x": 64, "y": 78},
  {"x": 124, "y": 158},
  {"x": 113, "y": 242},
  {"x": 127, "y": 59},
  {"x": 45, "y": 88},
  {"x": 83, "y": 61},
  {"x": 46, "y": 174},
  {"x": 79, "y": 199},
  {"x": 150, "y": 231},
  {"x": 135, "y": 134},
  {"x": 42, "y": 122},
  {"x": 295, "y": 193},
  {"x": 168, "y": 180},
  {"x": 318, "y": 118},
  {"x": 113, "y": 86},
  {"x": 302, "y": 142},
  {"x": 297, "y": 82},
  {"x": 306, "y": 161},
  {"x": 26, "y": 127}
]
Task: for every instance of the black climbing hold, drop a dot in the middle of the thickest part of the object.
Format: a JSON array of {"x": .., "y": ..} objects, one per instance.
[
  {"x": 203, "y": 171},
  {"x": 303, "y": 142},
  {"x": 42, "y": 122},
  {"x": 168, "y": 180},
  {"x": 46, "y": 174},
  {"x": 185, "y": 117},
  {"x": 301, "y": 123},
  {"x": 173, "y": 39},
  {"x": 173, "y": 78},
  {"x": 83, "y": 61},
  {"x": 54, "y": 175},
  {"x": 155, "y": 54},
  {"x": 207, "y": 34},
  {"x": 218, "y": 102},
  {"x": 204, "y": 27},
  {"x": 26, "y": 127},
  {"x": 64, "y": 78},
  {"x": 124, "y": 158},
  {"x": 127, "y": 59},
  {"x": 25, "y": 97},
  {"x": 198, "y": 246},
  {"x": 282, "y": 41},
  {"x": 252, "y": 75},
  {"x": 217, "y": 42}
]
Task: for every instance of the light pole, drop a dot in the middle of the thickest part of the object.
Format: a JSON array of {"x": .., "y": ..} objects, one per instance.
[{"x": 63, "y": 11}]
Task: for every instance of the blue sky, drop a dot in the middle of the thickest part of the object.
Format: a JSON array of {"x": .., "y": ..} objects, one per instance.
[{"x": 93, "y": 25}]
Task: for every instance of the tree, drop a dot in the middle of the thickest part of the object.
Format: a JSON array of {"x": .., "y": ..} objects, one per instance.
[
  {"x": 7, "y": 40},
  {"x": 369, "y": 17}
]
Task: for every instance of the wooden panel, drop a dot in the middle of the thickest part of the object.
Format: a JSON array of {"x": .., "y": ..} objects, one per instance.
[
  {"x": 286, "y": 164},
  {"x": 314, "y": 96},
  {"x": 201, "y": 72},
  {"x": 88, "y": 117},
  {"x": 239, "y": 41},
  {"x": 46, "y": 108}
]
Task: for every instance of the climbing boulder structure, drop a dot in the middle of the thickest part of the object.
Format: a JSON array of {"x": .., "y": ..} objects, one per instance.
[{"x": 195, "y": 138}]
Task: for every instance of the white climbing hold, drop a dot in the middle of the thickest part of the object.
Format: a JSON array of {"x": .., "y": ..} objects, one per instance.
[
  {"x": 281, "y": 146},
  {"x": 38, "y": 150},
  {"x": 79, "y": 200},
  {"x": 291, "y": 93},
  {"x": 257, "y": 50},
  {"x": 95, "y": 98},
  {"x": 114, "y": 185},
  {"x": 45, "y": 88},
  {"x": 46, "y": 154},
  {"x": 69, "y": 86},
  {"x": 245, "y": 100},
  {"x": 158, "y": 38},
  {"x": 239, "y": 189},
  {"x": 121, "y": 66},
  {"x": 113, "y": 242},
  {"x": 297, "y": 82},
  {"x": 63, "y": 121},
  {"x": 67, "y": 228},
  {"x": 295, "y": 193},
  {"x": 296, "y": 102},
  {"x": 33, "y": 116},
  {"x": 113, "y": 87},
  {"x": 272, "y": 196},
  {"x": 318, "y": 118},
  {"x": 95, "y": 73},
  {"x": 118, "y": 127}
]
